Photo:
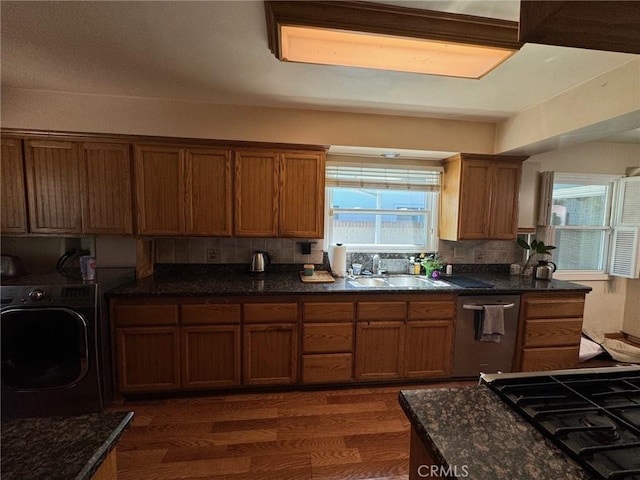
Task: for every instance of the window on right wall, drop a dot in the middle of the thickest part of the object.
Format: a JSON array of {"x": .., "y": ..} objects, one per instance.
[
  {"x": 586, "y": 216},
  {"x": 580, "y": 215}
]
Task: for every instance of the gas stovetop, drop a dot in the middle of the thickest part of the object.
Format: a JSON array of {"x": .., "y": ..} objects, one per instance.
[{"x": 592, "y": 414}]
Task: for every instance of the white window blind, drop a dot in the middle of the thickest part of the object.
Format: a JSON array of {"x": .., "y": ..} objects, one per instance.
[
  {"x": 383, "y": 178},
  {"x": 624, "y": 260}
]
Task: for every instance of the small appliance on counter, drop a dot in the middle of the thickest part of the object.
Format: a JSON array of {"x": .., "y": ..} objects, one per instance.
[
  {"x": 544, "y": 270},
  {"x": 260, "y": 261},
  {"x": 11, "y": 267}
]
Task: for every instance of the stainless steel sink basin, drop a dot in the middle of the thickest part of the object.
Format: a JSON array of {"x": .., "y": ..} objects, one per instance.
[
  {"x": 397, "y": 281},
  {"x": 369, "y": 282},
  {"x": 408, "y": 282}
]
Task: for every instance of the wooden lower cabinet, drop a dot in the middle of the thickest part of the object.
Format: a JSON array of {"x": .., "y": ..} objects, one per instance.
[
  {"x": 163, "y": 346},
  {"x": 148, "y": 359},
  {"x": 427, "y": 349},
  {"x": 379, "y": 349},
  {"x": 270, "y": 354},
  {"x": 188, "y": 344},
  {"x": 418, "y": 343},
  {"x": 327, "y": 341},
  {"x": 549, "y": 331},
  {"x": 210, "y": 356}
]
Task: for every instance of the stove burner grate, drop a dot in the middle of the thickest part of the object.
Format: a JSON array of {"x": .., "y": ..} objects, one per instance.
[{"x": 592, "y": 416}]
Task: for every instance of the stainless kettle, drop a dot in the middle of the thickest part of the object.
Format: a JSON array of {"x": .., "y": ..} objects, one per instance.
[
  {"x": 544, "y": 270},
  {"x": 259, "y": 262}
]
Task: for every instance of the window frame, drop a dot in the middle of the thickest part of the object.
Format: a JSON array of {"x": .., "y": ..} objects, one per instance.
[
  {"x": 431, "y": 216},
  {"x": 606, "y": 228}
]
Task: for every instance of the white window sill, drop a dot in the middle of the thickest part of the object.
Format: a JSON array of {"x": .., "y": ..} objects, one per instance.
[{"x": 581, "y": 276}]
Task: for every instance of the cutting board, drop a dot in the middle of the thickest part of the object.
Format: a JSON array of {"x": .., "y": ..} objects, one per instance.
[{"x": 317, "y": 277}]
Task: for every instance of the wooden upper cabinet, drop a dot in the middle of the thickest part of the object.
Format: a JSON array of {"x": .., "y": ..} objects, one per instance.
[
  {"x": 480, "y": 197},
  {"x": 53, "y": 186},
  {"x": 209, "y": 192},
  {"x": 503, "y": 221},
  {"x": 302, "y": 195},
  {"x": 12, "y": 189},
  {"x": 256, "y": 193},
  {"x": 160, "y": 189},
  {"x": 183, "y": 191},
  {"x": 106, "y": 174}
]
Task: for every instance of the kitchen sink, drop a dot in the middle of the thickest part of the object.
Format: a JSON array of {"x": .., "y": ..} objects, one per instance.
[
  {"x": 408, "y": 282},
  {"x": 369, "y": 282},
  {"x": 397, "y": 281}
]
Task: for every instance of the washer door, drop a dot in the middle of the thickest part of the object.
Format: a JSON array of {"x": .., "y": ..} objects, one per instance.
[{"x": 43, "y": 348}]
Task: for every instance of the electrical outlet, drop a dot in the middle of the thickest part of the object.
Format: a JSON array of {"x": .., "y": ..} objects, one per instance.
[
  {"x": 458, "y": 252},
  {"x": 213, "y": 255},
  {"x": 273, "y": 256},
  {"x": 479, "y": 256}
]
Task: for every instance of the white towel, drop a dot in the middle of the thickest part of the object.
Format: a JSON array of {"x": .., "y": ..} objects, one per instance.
[{"x": 492, "y": 323}]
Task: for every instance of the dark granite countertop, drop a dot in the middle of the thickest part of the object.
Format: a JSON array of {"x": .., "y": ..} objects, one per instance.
[
  {"x": 59, "y": 448},
  {"x": 283, "y": 283},
  {"x": 471, "y": 431}
]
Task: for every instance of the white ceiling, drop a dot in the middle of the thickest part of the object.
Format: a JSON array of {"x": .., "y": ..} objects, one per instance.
[{"x": 216, "y": 51}]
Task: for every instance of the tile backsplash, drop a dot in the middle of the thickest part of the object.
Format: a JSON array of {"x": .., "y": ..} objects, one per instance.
[
  {"x": 288, "y": 251},
  {"x": 234, "y": 250}
]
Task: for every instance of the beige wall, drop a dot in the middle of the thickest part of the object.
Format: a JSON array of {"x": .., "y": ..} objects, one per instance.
[
  {"x": 31, "y": 109},
  {"x": 609, "y": 101},
  {"x": 631, "y": 324},
  {"x": 604, "y": 309}
]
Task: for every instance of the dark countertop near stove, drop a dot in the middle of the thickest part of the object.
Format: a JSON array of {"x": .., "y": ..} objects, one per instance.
[
  {"x": 471, "y": 431},
  {"x": 60, "y": 448},
  {"x": 202, "y": 283}
]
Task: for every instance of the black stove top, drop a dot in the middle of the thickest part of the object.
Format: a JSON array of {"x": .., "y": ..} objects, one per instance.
[{"x": 593, "y": 415}]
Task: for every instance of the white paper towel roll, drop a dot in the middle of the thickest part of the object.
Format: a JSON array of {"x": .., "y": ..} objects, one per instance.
[{"x": 338, "y": 260}]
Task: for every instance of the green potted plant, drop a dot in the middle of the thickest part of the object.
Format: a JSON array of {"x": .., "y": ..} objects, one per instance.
[
  {"x": 432, "y": 263},
  {"x": 535, "y": 248}
]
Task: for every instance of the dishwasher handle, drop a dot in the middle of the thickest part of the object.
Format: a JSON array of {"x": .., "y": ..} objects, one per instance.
[{"x": 473, "y": 306}]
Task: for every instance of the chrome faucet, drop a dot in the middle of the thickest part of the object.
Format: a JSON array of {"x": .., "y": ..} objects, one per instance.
[{"x": 375, "y": 267}]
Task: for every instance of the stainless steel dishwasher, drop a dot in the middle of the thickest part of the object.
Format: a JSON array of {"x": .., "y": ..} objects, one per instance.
[{"x": 472, "y": 357}]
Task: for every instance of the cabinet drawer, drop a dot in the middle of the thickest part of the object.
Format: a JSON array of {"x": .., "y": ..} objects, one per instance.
[
  {"x": 432, "y": 310},
  {"x": 328, "y": 337},
  {"x": 534, "y": 359},
  {"x": 209, "y": 314},
  {"x": 554, "y": 307},
  {"x": 270, "y": 312},
  {"x": 382, "y": 311},
  {"x": 327, "y": 312},
  {"x": 550, "y": 333},
  {"x": 327, "y": 368},
  {"x": 139, "y": 315}
]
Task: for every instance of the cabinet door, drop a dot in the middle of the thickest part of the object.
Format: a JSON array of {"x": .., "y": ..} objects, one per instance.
[
  {"x": 211, "y": 356},
  {"x": 160, "y": 190},
  {"x": 302, "y": 195},
  {"x": 208, "y": 210},
  {"x": 428, "y": 348},
  {"x": 53, "y": 186},
  {"x": 106, "y": 175},
  {"x": 379, "y": 349},
  {"x": 12, "y": 192},
  {"x": 474, "y": 200},
  {"x": 505, "y": 184},
  {"x": 256, "y": 194},
  {"x": 148, "y": 359},
  {"x": 270, "y": 354}
]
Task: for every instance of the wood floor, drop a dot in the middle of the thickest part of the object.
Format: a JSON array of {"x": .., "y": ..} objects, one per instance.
[{"x": 334, "y": 434}]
